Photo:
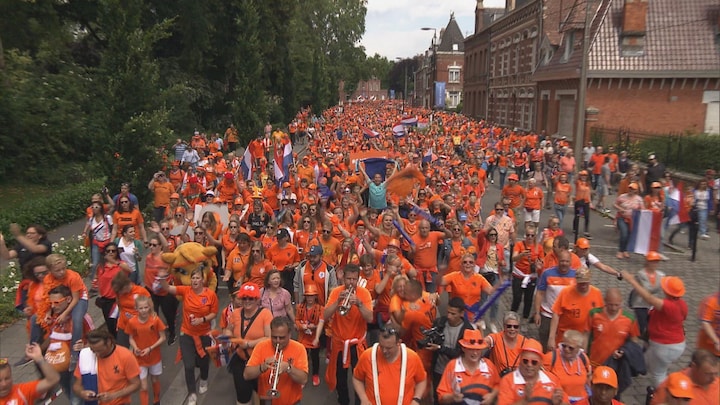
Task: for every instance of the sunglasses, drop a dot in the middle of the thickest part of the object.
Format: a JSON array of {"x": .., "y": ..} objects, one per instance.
[
  {"x": 111, "y": 251},
  {"x": 306, "y": 222},
  {"x": 40, "y": 273},
  {"x": 164, "y": 229},
  {"x": 533, "y": 362},
  {"x": 199, "y": 233},
  {"x": 474, "y": 341},
  {"x": 457, "y": 229},
  {"x": 56, "y": 302},
  {"x": 492, "y": 234},
  {"x": 326, "y": 231},
  {"x": 530, "y": 235},
  {"x": 390, "y": 331},
  {"x": 247, "y": 299},
  {"x": 255, "y": 251},
  {"x": 512, "y": 326},
  {"x": 124, "y": 202},
  {"x": 468, "y": 262},
  {"x": 154, "y": 244}
]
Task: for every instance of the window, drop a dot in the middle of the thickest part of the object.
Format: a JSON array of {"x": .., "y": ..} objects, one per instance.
[
  {"x": 454, "y": 75},
  {"x": 569, "y": 44},
  {"x": 453, "y": 99}
]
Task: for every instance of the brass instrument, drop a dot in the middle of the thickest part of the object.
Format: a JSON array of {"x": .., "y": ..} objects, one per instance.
[
  {"x": 345, "y": 306},
  {"x": 275, "y": 373}
]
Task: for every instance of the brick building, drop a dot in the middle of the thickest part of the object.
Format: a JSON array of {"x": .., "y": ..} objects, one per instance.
[
  {"x": 652, "y": 65},
  {"x": 366, "y": 90},
  {"x": 443, "y": 63}
]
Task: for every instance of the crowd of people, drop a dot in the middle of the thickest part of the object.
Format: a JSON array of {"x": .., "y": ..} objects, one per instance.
[{"x": 371, "y": 244}]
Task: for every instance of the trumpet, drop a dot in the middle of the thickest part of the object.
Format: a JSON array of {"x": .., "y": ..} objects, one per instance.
[
  {"x": 345, "y": 306},
  {"x": 275, "y": 373}
]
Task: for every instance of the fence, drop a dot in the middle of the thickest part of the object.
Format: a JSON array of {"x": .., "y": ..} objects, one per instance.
[{"x": 680, "y": 151}]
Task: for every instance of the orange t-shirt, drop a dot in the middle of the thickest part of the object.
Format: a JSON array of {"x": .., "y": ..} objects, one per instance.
[
  {"x": 295, "y": 353},
  {"x": 515, "y": 193},
  {"x": 236, "y": 262},
  {"x": 258, "y": 272},
  {"x": 582, "y": 191},
  {"x": 196, "y": 306},
  {"x": 572, "y": 375},
  {"x": 242, "y": 328},
  {"x": 417, "y": 314},
  {"x": 126, "y": 305},
  {"x": 709, "y": 312},
  {"x": 390, "y": 375},
  {"x": 352, "y": 325},
  {"x": 305, "y": 316},
  {"x": 332, "y": 250},
  {"x": 145, "y": 334},
  {"x": 608, "y": 335},
  {"x": 512, "y": 389},
  {"x": 505, "y": 357},
  {"x": 479, "y": 383},
  {"x": 114, "y": 372},
  {"x": 23, "y": 393},
  {"x": 426, "y": 250},
  {"x": 574, "y": 309},
  {"x": 562, "y": 193},
  {"x": 282, "y": 257},
  {"x": 467, "y": 288},
  {"x": 152, "y": 267},
  {"x": 533, "y": 198},
  {"x": 162, "y": 192},
  {"x": 133, "y": 218}
]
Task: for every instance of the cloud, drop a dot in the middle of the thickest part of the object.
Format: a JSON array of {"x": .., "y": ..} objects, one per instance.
[{"x": 392, "y": 28}]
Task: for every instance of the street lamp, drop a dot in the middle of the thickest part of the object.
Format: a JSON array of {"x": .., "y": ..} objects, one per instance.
[
  {"x": 433, "y": 61},
  {"x": 405, "y": 89}
]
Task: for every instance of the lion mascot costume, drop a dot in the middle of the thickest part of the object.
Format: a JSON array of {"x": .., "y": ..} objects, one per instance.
[{"x": 190, "y": 256}]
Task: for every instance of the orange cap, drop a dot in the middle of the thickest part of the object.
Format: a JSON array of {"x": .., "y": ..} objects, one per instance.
[
  {"x": 473, "y": 340},
  {"x": 394, "y": 243},
  {"x": 605, "y": 375},
  {"x": 311, "y": 289},
  {"x": 680, "y": 386},
  {"x": 533, "y": 346},
  {"x": 175, "y": 195},
  {"x": 653, "y": 256},
  {"x": 582, "y": 243}
]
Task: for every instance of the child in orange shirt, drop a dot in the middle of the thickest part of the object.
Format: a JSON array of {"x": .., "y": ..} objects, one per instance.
[
  {"x": 309, "y": 322},
  {"x": 146, "y": 336}
]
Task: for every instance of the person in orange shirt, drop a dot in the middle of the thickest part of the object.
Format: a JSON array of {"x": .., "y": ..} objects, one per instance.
[
  {"x": 348, "y": 330},
  {"x": 469, "y": 376},
  {"x": 332, "y": 248},
  {"x": 582, "y": 203},
  {"x": 176, "y": 176},
  {"x": 572, "y": 306},
  {"x": 527, "y": 262},
  {"x": 529, "y": 383},
  {"x": 534, "y": 201},
  {"x": 128, "y": 214},
  {"x": 309, "y": 322},
  {"x": 285, "y": 257},
  {"x": 569, "y": 363},
  {"x": 125, "y": 292},
  {"x": 704, "y": 382},
  {"x": 162, "y": 189},
  {"x": 200, "y": 307},
  {"x": 709, "y": 314},
  {"x": 32, "y": 391},
  {"x": 610, "y": 327},
  {"x": 596, "y": 161},
  {"x": 146, "y": 337},
  {"x": 425, "y": 253},
  {"x": 468, "y": 285},
  {"x": 228, "y": 188},
  {"x": 106, "y": 373},
  {"x": 290, "y": 370},
  {"x": 677, "y": 389},
  {"x": 516, "y": 193},
  {"x": 402, "y": 373},
  {"x": 604, "y": 386}
]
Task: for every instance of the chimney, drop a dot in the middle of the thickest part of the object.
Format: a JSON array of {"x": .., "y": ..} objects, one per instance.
[
  {"x": 479, "y": 16},
  {"x": 634, "y": 27},
  {"x": 509, "y": 6}
]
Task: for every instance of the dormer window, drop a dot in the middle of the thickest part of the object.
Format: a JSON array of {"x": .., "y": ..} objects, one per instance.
[{"x": 568, "y": 45}]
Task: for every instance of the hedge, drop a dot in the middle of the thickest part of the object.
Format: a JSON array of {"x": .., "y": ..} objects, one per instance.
[{"x": 59, "y": 208}]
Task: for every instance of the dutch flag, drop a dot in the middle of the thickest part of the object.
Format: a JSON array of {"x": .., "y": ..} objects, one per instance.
[
  {"x": 282, "y": 158},
  {"x": 645, "y": 232},
  {"x": 246, "y": 164}
]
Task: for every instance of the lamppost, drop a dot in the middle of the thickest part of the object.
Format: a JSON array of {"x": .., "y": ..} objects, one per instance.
[
  {"x": 433, "y": 62},
  {"x": 405, "y": 89}
]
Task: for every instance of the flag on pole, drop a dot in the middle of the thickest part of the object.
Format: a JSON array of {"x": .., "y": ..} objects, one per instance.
[
  {"x": 410, "y": 121},
  {"x": 429, "y": 156},
  {"x": 375, "y": 166},
  {"x": 369, "y": 133},
  {"x": 246, "y": 164},
  {"x": 399, "y": 130},
  {"x": 282, "y": 157},
  {"x": 645, "y": 231}
]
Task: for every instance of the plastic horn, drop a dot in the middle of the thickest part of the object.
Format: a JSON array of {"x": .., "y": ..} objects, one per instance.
[
  {"x": 345, "y": 306},
  {"x": 491, "y": 300},
  {"x": 403, "y": 233},
  {"x": 275, "y": 374}
]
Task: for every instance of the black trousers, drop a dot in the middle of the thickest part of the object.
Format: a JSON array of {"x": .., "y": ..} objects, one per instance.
[
  {"x": 243, "y": 388},
  {"x": 581, "y": 208},
  {"x": 191, "y": 359},
  {"x": 524, "y": 295},
  {"x": 342, "y": 388},
  {"x": 105, "y": 305},
  {"x": 168, "y": 304}
]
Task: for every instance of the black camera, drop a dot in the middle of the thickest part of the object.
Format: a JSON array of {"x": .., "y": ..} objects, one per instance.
[
  {"x": 505, "y": 371},
  {"x": 432, "y": 336}
]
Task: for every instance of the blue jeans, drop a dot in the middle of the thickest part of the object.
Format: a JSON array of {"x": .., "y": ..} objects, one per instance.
[
  {"x": 624, "y": 229},
  {"x": 702, "y": 221},
  {"x": 95, "y": 257},
  {"x": 503, "y": 173},
  {"x": 559, "y": 212}
]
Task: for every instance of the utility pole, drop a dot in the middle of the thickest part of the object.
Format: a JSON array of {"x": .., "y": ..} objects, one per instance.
[
  {"x": 405, "y": 62},
  {"x": 582, "y": 88}
]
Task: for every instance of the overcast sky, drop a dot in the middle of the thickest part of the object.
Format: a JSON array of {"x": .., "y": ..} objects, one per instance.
[{"x": 392, "y": 27}]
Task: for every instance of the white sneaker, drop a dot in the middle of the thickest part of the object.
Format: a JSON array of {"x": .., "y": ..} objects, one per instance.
[
  {"x": 705, "y": 236},
  {"x": 192, "y": 399},
  {"x": 202, "y": 387}
]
